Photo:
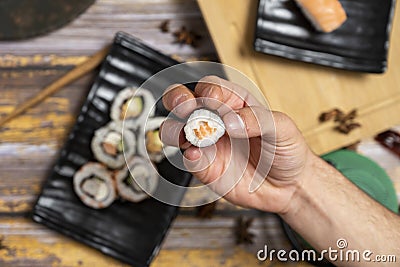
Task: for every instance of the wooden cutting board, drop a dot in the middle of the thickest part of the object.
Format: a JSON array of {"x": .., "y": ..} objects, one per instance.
[{"x": 305, "y": 90}]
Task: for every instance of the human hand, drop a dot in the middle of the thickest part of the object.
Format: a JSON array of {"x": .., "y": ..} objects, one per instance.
[{"x": 272, "y": 138}]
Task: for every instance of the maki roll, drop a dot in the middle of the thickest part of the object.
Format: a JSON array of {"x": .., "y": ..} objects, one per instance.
[
  {"x": 132, "y": 106},
  {"x": 204, "y": 128},
  {"x": 94, "y": 185},
  {"x": 136, "y": 182},
  {"x": 150, "y": 143},
  {"x": 109, "y": 145}
]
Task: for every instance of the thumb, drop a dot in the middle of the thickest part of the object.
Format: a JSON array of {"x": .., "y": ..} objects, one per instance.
[
  {"x": 198, "y": 161},
  {"x": 249, "y": 122}
]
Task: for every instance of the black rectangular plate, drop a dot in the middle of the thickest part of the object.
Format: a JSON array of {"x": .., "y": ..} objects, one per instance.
[
  {"x": 131, "y": 232},
  {"x": 360, "y": 44}
]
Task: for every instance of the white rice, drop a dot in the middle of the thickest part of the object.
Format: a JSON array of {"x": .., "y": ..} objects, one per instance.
[
  {"x": 97, "y": 192},
  {"x": 127, "y": 94},
  {"x": 145, "y": 180},
  {"x": 204, "y": 128}
]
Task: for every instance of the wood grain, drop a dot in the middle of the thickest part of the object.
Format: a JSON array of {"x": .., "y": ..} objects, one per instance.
[
  {"x": 79, "y": 71},
  {"x": 24, "y": 243},
  {"x": 97, "y": 26},
  {"x": 14, "y": 61},
  {"x": 46, "y": 123}
]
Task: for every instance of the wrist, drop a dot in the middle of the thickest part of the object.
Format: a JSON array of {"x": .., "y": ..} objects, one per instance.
[
  {"x": 308, "y": 206},
  {"x": 305, "y": 186}
]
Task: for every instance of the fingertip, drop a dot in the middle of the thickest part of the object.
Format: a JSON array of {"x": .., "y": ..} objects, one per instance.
[
  {"x": 167, "y": 96},
  {"x": 184, "y": 105},
  {"x": 249, "y": 122},
  {"x": 210, "y": 92},
  {"x": 234, "y": 124},
  {"x": 192, "y": 153},
  {"x": 179, "y": 100},
  {"x": 214, "y": 92},
  {"x": 213, "y": 97},
  {"x": 171, "y": 133},
  {"x": 172, "y": 87}
]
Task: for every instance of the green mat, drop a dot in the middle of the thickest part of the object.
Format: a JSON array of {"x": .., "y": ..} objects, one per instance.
[{"x": 366, "y": 174}]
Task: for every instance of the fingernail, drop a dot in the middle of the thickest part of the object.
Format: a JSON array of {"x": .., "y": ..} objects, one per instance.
[
  {"x": 180, "y": 99},
  {"x": 192, "y": 159},
  {"x": 211, "y": 97},
  {"x": 234, "y": 124},
  {"x": 170, "y": 132},
  {"x": 193, "y": 154},
  {"x": 209, "y": 91}
]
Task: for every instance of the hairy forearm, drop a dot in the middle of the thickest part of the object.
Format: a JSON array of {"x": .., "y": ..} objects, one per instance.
[{"x": 327, "y": 207}]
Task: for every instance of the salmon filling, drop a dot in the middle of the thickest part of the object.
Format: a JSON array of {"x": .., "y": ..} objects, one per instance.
[
  {"x": 112, "y": 144},
  {"x": 204, "y": 130}
]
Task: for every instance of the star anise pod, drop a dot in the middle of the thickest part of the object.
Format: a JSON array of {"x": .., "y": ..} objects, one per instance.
[
  {"x": 184, "y": 36},
  {"x": 164, "y": 26},
  {"x": 342, "y": 128},
  {"x": 347, "y": 117},
  {"x": 345, "y": 122},
  {"x": 242, "y": 233},
  {"x": 206, "y": 211},
  {"x": 346, "y": 127},
  {"x": 353, "y": 125}
]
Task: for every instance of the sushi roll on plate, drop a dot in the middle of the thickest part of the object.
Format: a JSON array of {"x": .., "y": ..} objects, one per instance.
[
  {"x": 150, "y": 143},
  {"x": 109, "y": 145},
  {"x": 204, "y": 128},
  {"x": 94, "y": 185},
  {"x": 136, "y": 182},
  {"x": 133, "y": 106}
]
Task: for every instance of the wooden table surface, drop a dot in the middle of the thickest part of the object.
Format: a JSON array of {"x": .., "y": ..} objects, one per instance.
[
  {"x": 30, "y": 144},
  {"x": 302, "y": 90}
]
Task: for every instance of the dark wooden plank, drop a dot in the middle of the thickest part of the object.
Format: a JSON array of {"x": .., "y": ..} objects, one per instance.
[
  {"x": 141, "y": 18},
  {"x": 26, "y": 242},
  {"x": 30, "y": 144},
  {"x": 211, "y": 233},
  {"x": 47, "y": 122}
]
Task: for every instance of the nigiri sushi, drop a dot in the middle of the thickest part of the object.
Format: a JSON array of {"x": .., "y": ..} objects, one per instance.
[
  {"x": 325, "y": 15},
  {"x": 204, "y": 128}
]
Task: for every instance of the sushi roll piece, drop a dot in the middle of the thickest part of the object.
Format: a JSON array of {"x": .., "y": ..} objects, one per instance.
[
  {"x": 132, "y": 106},
  {"x": 109, "y": 145},
  {"x": 94, "y": 185},
  {"x": 324, "y": 15},
  {"x": 150, "y": 143},
  {"x": 136, "y": 182},
  {"x": 204, "y": 128}
]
